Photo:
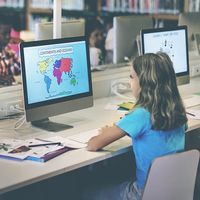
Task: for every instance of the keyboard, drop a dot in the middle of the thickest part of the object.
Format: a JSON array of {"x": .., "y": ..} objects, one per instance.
[
  {"x": 85, "y": 136},
  {"x": 191, "y": 101}
]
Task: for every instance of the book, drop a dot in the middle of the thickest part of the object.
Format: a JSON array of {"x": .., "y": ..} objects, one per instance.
[
  {"x": 13, "y": 149},
  {"x": 126, "y": 106},
  {"x": 49, "y": 155},
  {"x": 36, "y": 149},
  {"x": 47, "y": 152}
]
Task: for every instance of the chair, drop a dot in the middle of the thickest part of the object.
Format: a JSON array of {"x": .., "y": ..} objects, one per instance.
[
  {"x": 192, "y": 141},
  {"x": 172, "y": 177}
]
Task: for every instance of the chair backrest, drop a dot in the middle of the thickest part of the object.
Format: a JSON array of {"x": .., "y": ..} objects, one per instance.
[{"x": 172, "y": 177}]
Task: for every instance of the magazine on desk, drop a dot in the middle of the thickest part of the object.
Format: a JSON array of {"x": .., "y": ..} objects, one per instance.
[{"x": 39, "y": 150}]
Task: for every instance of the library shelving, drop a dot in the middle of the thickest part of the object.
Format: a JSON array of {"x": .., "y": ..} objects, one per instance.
[
  {"x": 192, "y": 6},
  {"x": 26, "y": 13},
  {"x": 12, "y": 13},
  {"x": 160, "y": 10}
]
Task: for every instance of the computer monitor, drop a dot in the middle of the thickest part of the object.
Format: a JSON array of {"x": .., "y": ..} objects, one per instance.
[
  {"x": 126, "y": 30},
  {"x": 172, "y": 41},
  {"x": 70, "y": 28},
  {"x": 191, "y": 20},
  {"x": 56, "y": 79}
]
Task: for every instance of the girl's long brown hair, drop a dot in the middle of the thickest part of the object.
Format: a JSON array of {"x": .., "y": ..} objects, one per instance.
[{"x": 159, "y": 93}]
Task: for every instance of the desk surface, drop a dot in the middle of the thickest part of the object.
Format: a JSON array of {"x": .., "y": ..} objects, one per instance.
[{"x": 14, "y": 174}]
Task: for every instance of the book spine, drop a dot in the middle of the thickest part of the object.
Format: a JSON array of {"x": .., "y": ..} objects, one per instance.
[
  {"x": 50, "y": 155},
  {"x": 10, "y": 158}
]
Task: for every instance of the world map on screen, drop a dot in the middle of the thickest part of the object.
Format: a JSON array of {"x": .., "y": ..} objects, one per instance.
[
  {"x": 59, "y": 69},
  {"x": 56, "y": 71}
]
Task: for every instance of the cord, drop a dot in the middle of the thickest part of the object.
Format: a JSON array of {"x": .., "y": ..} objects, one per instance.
[
  {"x": 20, "y": 122},
  {"x": 17, "y": 108},
  {"x": 121, "y": 86},
  {"x": 14, "y": 116},
  {"x": 19, "y": 112},
  {"x": 17, "y": 124}
]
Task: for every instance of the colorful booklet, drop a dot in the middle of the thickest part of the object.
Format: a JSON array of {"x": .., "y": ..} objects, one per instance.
[
  {"x": 13, "y": 149},
  {"x": 126, "y": 106},
  {"x": 49, "y": 155},
  {"x": 36, "y": 149}
]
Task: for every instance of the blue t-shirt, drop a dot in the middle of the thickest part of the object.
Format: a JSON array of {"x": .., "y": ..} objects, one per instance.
[{"x": 148, "y": 143}]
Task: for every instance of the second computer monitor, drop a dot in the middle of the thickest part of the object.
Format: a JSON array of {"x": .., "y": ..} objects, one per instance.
[
  {"x": 126, "y": 30},
  {"x": 70, "y": 28},
  {"x": 172, "y": 41}
]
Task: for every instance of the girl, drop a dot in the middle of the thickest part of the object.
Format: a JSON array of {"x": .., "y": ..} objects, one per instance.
[{"x": 156, "y": 125}]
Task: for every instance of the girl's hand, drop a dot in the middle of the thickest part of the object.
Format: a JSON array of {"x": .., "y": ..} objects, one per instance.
[{"x": 107, "y": 135}]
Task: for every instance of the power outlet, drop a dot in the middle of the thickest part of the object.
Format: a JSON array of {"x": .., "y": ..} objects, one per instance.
[
  {"x": 10, "y": 99},
  {"x": 10, "y": 108},
  {"x": 13, "y": 107},
  {"x": 196, "y": 70}
]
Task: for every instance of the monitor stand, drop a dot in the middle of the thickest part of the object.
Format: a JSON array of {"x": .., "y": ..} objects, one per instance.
[{"x": 48, "y": 125}]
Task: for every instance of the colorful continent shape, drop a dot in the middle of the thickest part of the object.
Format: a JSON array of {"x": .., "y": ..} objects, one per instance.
[
  {"x": 43, "y": 65},
  {"x": 60, "y": 66}
]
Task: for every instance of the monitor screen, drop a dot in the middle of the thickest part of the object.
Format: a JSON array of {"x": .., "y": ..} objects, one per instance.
[
  {"x": 126, "y": 30},
  {"x": 56, "y": 77},
  {"x": 172, "y": 41},
  {"x": 70, "y": 28},
  {"x": 191, "y": 20}
]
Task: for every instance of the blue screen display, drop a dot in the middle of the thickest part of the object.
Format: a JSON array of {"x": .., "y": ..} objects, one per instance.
[{"x": 55, "y": 71}]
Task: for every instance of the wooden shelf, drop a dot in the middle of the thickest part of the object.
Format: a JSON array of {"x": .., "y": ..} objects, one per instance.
[
  {"x": 165, "y": 16},
  {"x": 40, "y": 11}
]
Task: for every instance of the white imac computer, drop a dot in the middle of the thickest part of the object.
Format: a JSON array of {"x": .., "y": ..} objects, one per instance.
[
  {"x": 126, "y": 32},
  {"x": 70, "y": 28},
  {"x": 172, "y": 41},
  {"x": 191, "y": 20},
  {"x": 56, "y": 79}
]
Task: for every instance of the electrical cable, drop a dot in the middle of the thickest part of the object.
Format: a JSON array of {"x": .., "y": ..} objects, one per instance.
[
  {"x": 20, "y": 122},
  {"x": 122, "y": 85}
]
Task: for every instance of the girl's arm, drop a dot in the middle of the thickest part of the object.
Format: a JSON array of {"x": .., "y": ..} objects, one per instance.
[{"x": 106, "y": 136}]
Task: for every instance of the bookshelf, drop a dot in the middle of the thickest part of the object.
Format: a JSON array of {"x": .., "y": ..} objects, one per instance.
[
  {"x": 160, "y": 10},
  {"x": 163, "y": 12},
  {"x": 192, "y": 6},
  {"x": 38, "y": 11},
  {"x": 142, "y": 6},
  {"x": 12, "y": 13},
  {"x": 27, "y": 13}
]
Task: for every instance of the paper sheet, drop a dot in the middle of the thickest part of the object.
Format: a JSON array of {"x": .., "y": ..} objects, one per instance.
[
  {"x": 84, "y": 137},
  {"x": 67, "y": 142}
]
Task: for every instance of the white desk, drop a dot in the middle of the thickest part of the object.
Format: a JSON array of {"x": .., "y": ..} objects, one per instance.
[{"x": 14, "y": 174}]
